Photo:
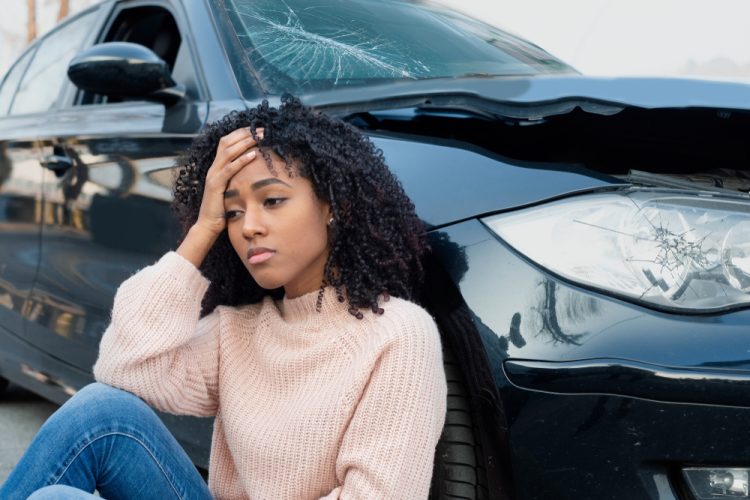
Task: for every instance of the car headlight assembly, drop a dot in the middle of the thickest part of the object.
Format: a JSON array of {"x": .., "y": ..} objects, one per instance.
[
  {"x": 717, "y": 482},
  {"x": 674, "y": 250}
]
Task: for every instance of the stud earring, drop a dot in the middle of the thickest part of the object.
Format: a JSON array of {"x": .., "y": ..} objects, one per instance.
[{"x": 330, "y": 221}]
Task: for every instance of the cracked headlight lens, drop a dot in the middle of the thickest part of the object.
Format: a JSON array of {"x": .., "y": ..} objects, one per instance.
[
  {"x": 736, "y": 256},
  {"x": 673, "y": 250},
  {"x": 717, "y": 482}
]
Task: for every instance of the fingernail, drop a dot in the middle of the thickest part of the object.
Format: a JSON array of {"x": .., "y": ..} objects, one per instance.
[{"x": 251, "y": 154}]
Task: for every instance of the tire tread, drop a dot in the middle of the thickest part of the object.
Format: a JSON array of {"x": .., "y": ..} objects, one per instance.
[{"x": 458, "y": 473}]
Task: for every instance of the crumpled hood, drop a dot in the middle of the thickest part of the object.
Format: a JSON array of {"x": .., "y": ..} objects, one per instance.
[{"x": 548, "y": 95}]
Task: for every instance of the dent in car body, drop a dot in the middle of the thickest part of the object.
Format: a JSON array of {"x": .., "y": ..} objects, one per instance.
[{"x": 454, "y": 181}]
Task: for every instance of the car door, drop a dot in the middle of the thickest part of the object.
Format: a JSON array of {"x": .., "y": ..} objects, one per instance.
[
  {"x": 108, "y": 187},
  {"x": 36, "y": 101},
  {"x": 20, "y": 202}
]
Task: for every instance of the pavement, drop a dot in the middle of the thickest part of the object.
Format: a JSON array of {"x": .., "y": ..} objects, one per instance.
[{"x": 21, "y": 415}]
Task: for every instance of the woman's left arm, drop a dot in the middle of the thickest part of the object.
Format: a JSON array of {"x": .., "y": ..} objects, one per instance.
[{"x": 388, "y": 449}]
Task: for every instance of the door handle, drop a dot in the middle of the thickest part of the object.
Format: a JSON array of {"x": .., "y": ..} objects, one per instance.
[{"x": 59, "y": 164}]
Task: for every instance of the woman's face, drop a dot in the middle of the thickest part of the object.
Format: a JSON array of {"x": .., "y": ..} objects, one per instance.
[{"x": 278, "y": 227}]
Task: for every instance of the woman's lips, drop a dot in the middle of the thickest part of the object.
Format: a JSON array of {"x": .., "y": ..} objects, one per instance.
[{"x": 258, "y": 255}]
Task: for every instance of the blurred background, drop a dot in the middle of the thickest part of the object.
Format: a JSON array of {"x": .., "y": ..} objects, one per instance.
[{"x": 598, "y": 37}]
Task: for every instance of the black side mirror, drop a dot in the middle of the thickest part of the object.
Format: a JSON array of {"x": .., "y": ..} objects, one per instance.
[{"x": 124, "y": 69}]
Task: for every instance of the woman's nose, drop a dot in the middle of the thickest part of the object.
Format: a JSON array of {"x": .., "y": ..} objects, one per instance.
[{"x": 253, "y": 224}]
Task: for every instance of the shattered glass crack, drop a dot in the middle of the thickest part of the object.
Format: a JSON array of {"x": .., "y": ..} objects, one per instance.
[
  {"x": 281, "y": 40},
  {"x": 675, "y": 250}
]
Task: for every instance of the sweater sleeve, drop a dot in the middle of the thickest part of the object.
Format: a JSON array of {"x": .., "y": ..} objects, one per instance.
[
  {"x": 156, "y": 347},
  {"x": 388, "y": 449}
]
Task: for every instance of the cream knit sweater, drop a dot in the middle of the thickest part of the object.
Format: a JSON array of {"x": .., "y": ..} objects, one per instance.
[{"x": 307, "y": 404}]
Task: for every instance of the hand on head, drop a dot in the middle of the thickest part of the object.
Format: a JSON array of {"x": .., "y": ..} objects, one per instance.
[{"x": 235, "y": 150}]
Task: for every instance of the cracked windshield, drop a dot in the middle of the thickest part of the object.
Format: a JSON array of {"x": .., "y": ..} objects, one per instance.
[{"x": 302, "y": 46}]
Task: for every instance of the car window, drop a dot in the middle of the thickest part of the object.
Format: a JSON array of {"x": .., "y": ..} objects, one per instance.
[
  {"x": 151, "y": 26},
  {"x": 9, "y": 85},
  {"x": 48, "y": 70},
  {"x": 299, "y": 45}
]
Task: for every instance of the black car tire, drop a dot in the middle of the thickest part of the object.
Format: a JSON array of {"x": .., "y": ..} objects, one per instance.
[{"x": 459, "y": 471}]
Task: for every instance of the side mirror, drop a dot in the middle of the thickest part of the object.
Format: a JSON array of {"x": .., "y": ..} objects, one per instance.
[{"x": 124, "y": 69}]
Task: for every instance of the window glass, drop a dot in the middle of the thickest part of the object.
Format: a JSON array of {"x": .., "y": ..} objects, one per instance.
[
  {"x": 11, "y": 82},
  {"x": 48, "y": 70},
  {"x": 299, "y": 45}
]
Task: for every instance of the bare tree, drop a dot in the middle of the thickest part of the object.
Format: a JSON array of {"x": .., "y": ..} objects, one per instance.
[
  {"x": 64, "y": 10},
  {"x": 31, "y": 23}
]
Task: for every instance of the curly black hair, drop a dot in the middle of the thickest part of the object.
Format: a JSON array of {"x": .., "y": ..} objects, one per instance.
[{"x": 376, "y": 240}]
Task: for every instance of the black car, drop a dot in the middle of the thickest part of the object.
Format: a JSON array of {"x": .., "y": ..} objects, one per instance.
[{"x": 590, "y": 271}]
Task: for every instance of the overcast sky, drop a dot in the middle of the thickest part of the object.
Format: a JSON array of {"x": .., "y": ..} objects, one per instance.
[
  {"x": 633, "y": 37},
  {"x": 600, "y": 37}
]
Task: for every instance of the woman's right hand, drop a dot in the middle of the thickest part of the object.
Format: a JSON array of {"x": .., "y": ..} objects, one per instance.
[{"x": 232, "y": 154}]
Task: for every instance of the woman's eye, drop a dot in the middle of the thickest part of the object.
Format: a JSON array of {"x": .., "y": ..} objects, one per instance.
[
  {"x": 231, "y": 214},
  {"x": 272, "y": 202}
]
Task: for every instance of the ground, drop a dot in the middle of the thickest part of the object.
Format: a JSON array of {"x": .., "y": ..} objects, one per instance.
[{"x": 21, "y": 415}]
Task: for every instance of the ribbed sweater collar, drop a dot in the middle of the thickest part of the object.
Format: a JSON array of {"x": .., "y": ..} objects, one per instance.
[{"x": 302, "y": 310}]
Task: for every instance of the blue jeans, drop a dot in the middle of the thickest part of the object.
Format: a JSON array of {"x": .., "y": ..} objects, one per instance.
[{"x": 109, "y": 440}]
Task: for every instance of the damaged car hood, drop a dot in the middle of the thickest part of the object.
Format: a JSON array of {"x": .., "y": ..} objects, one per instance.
[
  {"x": 549, "y": 137},
  {"x": 539, "y": 96}
]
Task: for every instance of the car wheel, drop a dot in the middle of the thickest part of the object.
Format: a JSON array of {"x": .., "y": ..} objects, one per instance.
[{"x": 459, "y": 462}]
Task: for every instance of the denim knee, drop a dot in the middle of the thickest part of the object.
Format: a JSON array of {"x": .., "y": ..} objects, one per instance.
[
  {"x": 60, "y": 492},
  {"x": 97, "y": 392},
  {"x": 98, "y": 404},
  {"x": 102, "y": 434}
]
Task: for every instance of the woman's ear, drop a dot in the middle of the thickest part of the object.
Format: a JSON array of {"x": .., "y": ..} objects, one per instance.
[{"x": 329, "y": 214}]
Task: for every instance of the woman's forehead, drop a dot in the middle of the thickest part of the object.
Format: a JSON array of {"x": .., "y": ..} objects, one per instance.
[{"x": 259, "y": 169}]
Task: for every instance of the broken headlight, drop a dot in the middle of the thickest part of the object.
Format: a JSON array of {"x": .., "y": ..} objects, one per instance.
[
  {"x": 717, "y": 482},
  {"x": 675, "y": 250}
]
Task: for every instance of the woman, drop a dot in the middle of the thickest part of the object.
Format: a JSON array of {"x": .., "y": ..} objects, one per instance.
[{"x": 284, "y": 313}]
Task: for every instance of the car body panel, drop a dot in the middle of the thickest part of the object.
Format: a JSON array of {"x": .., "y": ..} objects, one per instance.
[
  {"x": 604, "y": 446},
  {"x": 107, "y": 217},
  {"x": 453, "y": 181},
  {"x": 543, "y": 318},
  {"x": 608, "y": 432},
  {"x": 21, "y": 177},
  {"x": 713, "y": 386}
]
